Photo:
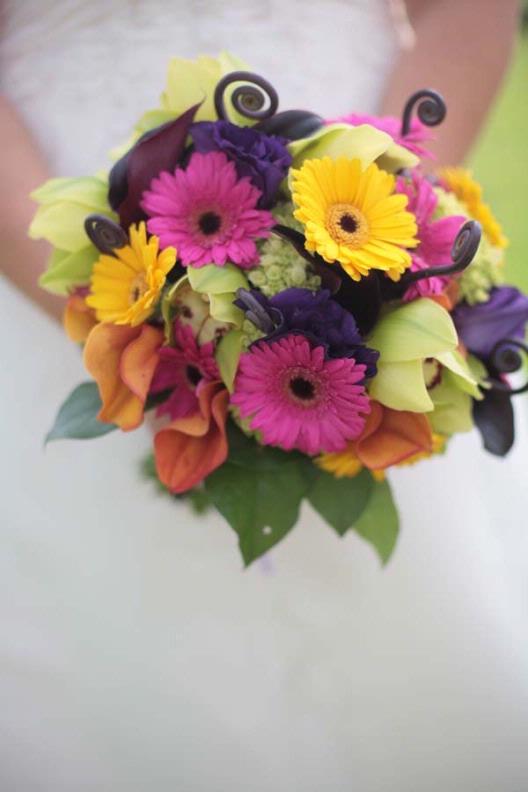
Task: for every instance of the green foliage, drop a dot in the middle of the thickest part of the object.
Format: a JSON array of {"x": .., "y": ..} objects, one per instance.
[
  {"x": 77, "y": 417},
  {"x": 259, "y": 491},
  {"x": 341, "y": 501},
  {"x": 379, "y": 522}
]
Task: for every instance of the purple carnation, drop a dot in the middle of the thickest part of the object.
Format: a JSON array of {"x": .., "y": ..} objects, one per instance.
[
  {"x": 264, "y": 159},
  {"x": 317, "y": 317},
  {"x": 482, "y": 326}
]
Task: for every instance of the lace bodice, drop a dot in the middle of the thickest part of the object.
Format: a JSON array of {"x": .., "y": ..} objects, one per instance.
[{"x": 82, "y": 72}]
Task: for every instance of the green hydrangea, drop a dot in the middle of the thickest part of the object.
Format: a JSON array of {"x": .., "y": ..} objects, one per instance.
[
  {"x": 280, "y": 266},
  {"x": 251, "y": 334},
  {"x": 486, "y": 270}
]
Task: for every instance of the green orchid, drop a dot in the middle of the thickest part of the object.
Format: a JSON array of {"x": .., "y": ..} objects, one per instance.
[
  {"x": 228, "y": 354},
  {"x": 363, "y": 142},
  {"x": 407, "y": 336},
  {"x": 204, "y": 300},
  {"x": 190, "y": 82},
  {"x": 64, "y": 205},
  {"x": 453, "y": 397},
  {"x": 220, "y": 285}
]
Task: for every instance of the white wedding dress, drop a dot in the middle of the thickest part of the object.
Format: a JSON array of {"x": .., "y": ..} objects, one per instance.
[{"x": 135, "y": 653}]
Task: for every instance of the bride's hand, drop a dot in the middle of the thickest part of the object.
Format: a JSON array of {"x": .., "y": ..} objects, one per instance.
[{"x": 22, "y": 169}]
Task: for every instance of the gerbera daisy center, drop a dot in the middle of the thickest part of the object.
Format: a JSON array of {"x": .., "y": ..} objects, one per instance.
[
  {"x": 302, "y": 388},
  {"x": 194, "y": 375},
  {"x": 138, "y": 287},
  {"x": 347, "y": 225},
  {"x": 209, "y": 223}
]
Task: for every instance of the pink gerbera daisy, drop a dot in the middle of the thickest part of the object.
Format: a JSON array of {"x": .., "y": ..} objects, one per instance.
[
  {"x": 183, "y": 369},
  {"x": 436, "y": 237},
  {"x": 207, "y": 212},
  {"x": 412, "y": 141},
  {"x": 297, "y": 399}
]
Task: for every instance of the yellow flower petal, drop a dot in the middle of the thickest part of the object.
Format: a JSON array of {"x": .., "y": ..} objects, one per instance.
[
  {"x": 352, "y": 216},
  {"x": 126, "y": 287}
]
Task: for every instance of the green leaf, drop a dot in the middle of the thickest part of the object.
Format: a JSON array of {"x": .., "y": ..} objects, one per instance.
[
  {"x": 262, "y": 506},
  {"x": 258, "y": 491},
  {"x": 341, "y": 501},
  {"x": 77, "y": 418},
  {"x": 379, "y": 523}
]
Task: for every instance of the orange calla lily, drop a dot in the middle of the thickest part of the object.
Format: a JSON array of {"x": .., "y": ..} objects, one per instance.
[
  {"x": 78, "y": 319},
  {"x": 122, "y": 361},
  {"x": 389, "y": 437},
  {"x": 190, "y": 448}
]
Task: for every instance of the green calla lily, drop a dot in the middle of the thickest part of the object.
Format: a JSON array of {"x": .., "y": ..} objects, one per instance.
[
  {"x": 64, "y": 205},
  {"x": 363, "y": 142},
  {"x": 405, "y": 337}
]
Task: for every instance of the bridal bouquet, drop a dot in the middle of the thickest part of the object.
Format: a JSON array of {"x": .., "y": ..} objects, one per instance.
[{"x": 299, "y": 304}]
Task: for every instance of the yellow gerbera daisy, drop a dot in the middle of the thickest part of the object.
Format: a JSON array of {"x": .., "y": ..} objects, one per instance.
[
  {"x": 345, "y": 464},
  {"x": 467, "y": 190},
  {"x": 126, "y": 287},
  {"x": 352, "y": 216}
]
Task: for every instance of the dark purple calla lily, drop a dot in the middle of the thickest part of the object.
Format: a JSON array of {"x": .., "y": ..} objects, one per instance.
[
  {"x": 158, "y": 150},
  {"x": 482, "y": 326},
  {"x": 494, "y": 419},
  {"x": 264, "y": 159}
]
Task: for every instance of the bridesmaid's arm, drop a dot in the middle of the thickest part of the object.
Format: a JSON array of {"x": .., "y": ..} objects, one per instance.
[
  {"x": 462, "y": 49},
  {"x": 22, "y": 168}
]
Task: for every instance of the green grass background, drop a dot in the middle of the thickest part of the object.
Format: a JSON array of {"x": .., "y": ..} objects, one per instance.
[{"x": 500, "y": 162}]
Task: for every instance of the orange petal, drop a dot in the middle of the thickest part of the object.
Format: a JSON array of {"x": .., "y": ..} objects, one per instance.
[
  {"x": 398, "y": 436},
  {"x": 103, "y": 351},
  {"x": 191, "y": 448},
  {"x": 78, "y": 319},
  {"x": 372, "y": 422},
  {"x": 139, "y": 360}
]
